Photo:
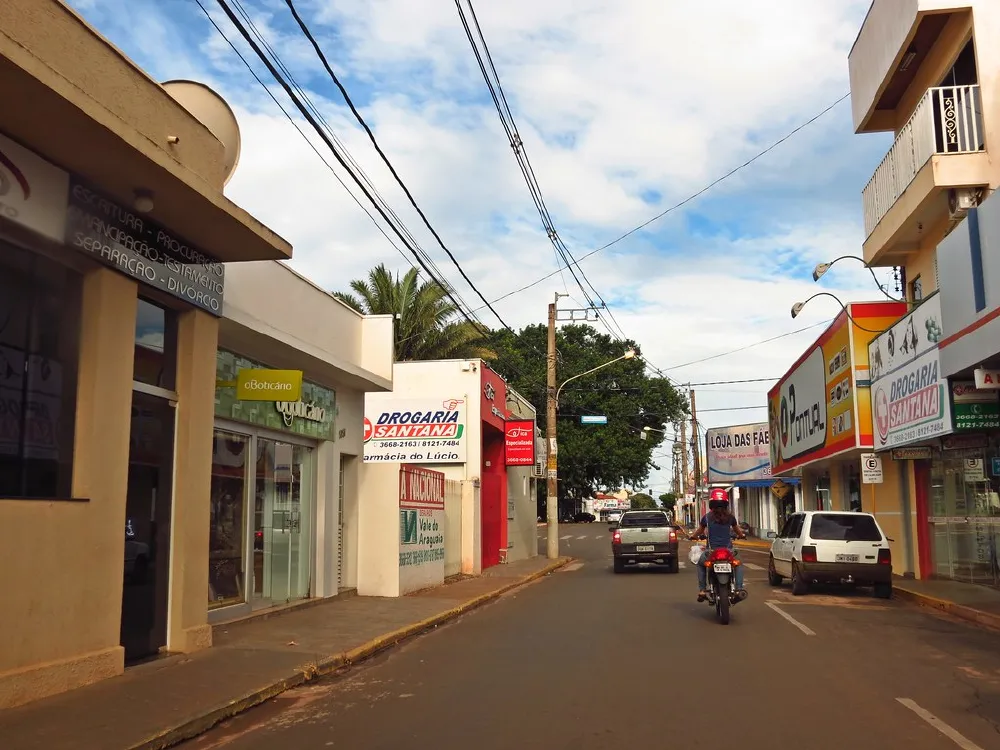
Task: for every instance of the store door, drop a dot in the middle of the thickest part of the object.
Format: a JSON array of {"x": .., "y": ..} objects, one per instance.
[
  {"x": 283, "y": 507},
  {"x": 491, "y": 501},
  {"x": 147, "y": 527}
]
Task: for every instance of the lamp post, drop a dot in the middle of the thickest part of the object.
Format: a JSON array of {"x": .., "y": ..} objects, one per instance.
[
  {"x": 822, "y": 268},
  {"x": 797, "y": 308},
  {"x": 552, "y": 488}
]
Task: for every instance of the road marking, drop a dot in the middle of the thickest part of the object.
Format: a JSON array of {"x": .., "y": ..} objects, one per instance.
[
  {"x": 564, "y": 538},
  {"x": 752, "y": 566},
  {"x": 783, "y": 613},
  {"x": 963, "y": 742},
  {"x": 582, "y": 537}
]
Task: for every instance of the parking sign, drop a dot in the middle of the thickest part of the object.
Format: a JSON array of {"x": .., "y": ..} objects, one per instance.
[{"x": 871, "y": 468}]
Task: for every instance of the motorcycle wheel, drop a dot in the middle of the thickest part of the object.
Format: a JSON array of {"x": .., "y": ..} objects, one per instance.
[{"x": 722, "y": 605}]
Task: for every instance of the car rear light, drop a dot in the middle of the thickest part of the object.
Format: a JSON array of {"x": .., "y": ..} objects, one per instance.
[
  {"x": 885, "y": 556},
  {"x": 616, "y": 538},
  {"x": 673, "y": 536},
  {"x": 809, "y": 554}
]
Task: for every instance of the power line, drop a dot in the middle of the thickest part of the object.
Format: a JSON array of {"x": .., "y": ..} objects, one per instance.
[
  {"x": 371, "y": 136},
  {"x": 733, "y": 408},
  {"x": 751, "y": 346},
  {"x": 731, "y": 382},
  {"x": 684, "y": 202}
]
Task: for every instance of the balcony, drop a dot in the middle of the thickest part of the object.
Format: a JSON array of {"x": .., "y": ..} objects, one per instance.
[{"x": 942, "y": 144}]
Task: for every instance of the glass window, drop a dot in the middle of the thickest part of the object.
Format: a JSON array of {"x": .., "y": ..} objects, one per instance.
[
  {"x": 644, "y": 520},
  {"x": 228, "y": 525},
  {"x": 916, "y": 290},
  {"x": 858, "y": 527},
  {"x": 39, "y": 347},
  {"x": 155, "y": 346}
]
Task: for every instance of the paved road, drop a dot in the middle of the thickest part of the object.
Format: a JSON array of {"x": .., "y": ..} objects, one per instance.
[{"x": 589, "y": 660}]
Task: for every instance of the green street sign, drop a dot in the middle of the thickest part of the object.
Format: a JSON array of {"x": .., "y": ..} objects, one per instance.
[
  {"x": 977, "y": 416},
  {"x": 269, "y": 385}
]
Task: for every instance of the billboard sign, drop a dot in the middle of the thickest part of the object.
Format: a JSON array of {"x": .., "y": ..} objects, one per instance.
[
  {"x": 738, "y": 453},
  {"x": 519, "y": 443},
  {"x": 420, "y": 431}
]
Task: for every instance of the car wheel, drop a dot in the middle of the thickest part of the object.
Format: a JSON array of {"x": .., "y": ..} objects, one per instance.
[
  {"x": 772, "y": 575},
  {"x": 799, "y": 586},
  {"x": 883, "y": 590},
  {"x": 619, "y": 566}
]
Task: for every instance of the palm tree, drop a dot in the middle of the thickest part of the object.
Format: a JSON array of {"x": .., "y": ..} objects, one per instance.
[{"x": 427, "y": 324}]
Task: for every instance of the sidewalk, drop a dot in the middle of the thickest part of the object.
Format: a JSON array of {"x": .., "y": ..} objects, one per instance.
[
  {"x": 159, "y": 704},
  {"x": 978, "y": 604}
]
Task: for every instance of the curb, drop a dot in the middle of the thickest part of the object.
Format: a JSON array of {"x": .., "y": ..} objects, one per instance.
[
  {"x": 191, "y": 728},
  {"x": 753, "y": 545},
  {"x": 948, "y": 607}
]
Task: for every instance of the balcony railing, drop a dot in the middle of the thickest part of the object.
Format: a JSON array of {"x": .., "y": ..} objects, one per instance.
[{"x": 948, "y": 120}]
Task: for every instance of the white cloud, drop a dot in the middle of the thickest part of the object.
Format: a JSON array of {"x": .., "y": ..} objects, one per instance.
[{"x": 613, "y": 98}]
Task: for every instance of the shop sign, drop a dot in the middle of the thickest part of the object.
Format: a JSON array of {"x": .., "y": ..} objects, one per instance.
[
  {"x": 426, "y": 431},
  {"x": 974, "y": 408},
  {"x": 799, "y": 421},
  {"x": 738, "y": 453},
  {"x": 987, "y": 379},
  {"x": 421, "y": 526},
  {"x": 917, "y": 453},
  {"x": 142, "y": 249},
  {"x": 312, "y": 415},
  {"x": 995, "y": 466},
  {"x": 32, "y": 191},
  {"x": 971, "y": 443},
  {"x": 519, "y": 443},
  {"x": 268, "y": 385},
  {"x": 494, "y": 398}
]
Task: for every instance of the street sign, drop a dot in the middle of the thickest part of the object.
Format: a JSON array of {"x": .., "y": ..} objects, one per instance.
[
  {"x": 593, "y": 419},
  {"x": 871, "y": 468}
]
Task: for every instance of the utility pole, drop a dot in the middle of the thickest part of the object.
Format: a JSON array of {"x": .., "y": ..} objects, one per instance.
[
  {"x": 552, "y": 489},
  {"x": 695, "y": 442},
  {"x": 684, "y": 457}
]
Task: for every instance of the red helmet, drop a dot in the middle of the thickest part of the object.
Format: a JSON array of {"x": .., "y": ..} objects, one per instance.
[{"x": 718, "y": 493}]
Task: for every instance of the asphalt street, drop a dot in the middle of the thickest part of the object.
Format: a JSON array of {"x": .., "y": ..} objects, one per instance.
[{"x": 588, "y": 660}]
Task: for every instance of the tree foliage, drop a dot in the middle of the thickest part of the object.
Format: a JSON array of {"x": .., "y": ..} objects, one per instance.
[
  {"x": 668, "y": 500},
  {"x": 642, "y": 501},
  {"x": 427, "y": 325},
  {"x": 593, "y": 457}
]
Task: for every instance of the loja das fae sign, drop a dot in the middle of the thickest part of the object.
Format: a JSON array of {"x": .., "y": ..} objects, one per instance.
[
  {"x": 519, "y": 443},
  {"x": 739, "y": 453}
]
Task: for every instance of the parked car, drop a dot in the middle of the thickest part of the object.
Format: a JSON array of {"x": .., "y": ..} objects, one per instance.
[
  {"x": 584, "y": 517},
  {"x": 644, "y": 536},
  {"x": 831, "y": 547},
  {"x": 614, "y": 516}
]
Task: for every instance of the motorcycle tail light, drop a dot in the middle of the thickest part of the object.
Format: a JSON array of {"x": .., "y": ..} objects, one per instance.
[
  {"x": 885, "y": 557},
  {"x": 809, "y": 554},
  {"x": 722, "y": 554}
]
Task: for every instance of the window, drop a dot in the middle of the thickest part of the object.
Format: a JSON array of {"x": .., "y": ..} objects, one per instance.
[
  {"x": 795, "y": 530},
  {"x": 853, "y": 527},
  {"x": 39, "y": 345},
  {"x": 916, "y": 289},
  {"x": 645, "y": 520},
  {"x": 155, "y": 346}
]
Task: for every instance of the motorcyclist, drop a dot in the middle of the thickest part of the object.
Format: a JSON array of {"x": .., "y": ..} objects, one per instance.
[{"x": 718, "y": 524}]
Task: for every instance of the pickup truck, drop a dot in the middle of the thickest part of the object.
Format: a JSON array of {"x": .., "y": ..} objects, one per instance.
[{"x": 644, "y": 536}]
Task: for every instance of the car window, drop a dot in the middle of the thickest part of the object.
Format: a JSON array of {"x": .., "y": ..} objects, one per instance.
[
  {"x": 787, "y": 528},
  {"x": 845, "y": 527},
  {"x": 644, "y": 520},
  {"x": 796, "y": 530}
]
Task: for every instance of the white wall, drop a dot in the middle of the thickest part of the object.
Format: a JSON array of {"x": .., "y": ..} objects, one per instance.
[
  {"x": 378, "y": 530},
  {"x": 453, "y": 533}
]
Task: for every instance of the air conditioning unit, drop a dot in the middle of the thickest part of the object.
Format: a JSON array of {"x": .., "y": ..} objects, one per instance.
[
  {"x": 960, "y": 200},
  {"x": 538, "y": 470}
]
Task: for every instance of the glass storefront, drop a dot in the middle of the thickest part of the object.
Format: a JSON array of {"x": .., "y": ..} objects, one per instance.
[
  {"x": 262, "y": 557},
  {"x": 964, "y": 516}
]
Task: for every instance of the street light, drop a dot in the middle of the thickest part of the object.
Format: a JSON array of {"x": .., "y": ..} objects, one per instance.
[
  {"x": 797, "y": 308},
  {"x": 822, "y": 268},
  {"x": 552, "y": 488}
]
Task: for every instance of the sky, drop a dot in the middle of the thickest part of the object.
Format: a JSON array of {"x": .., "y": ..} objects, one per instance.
[{"x": 625, "y": 107}]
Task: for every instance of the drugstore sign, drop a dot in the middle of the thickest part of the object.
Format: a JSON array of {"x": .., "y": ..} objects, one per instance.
[{"x": 417, "y": 431}]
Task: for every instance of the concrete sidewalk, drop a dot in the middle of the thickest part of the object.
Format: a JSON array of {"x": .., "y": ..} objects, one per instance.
[
  {"x": 159, "y": 704},
  {"x": 978, "y": 604}
]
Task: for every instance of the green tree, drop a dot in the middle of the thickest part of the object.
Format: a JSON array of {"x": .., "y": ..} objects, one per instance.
[
  {"x": 642, "y": 501},
  {"x": 593, "y": 456},
  {"x": 668, "y": 500},
  {"x": 427, "y": 325}
]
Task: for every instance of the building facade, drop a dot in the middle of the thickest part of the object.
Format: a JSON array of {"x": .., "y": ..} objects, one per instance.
[{"x": 115, "y": 238}]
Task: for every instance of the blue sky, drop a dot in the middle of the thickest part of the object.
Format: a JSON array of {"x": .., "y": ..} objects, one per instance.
[{"x": 626, "y": 107}]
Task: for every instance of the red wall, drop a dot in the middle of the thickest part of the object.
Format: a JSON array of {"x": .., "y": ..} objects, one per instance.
[{"x": 493, "y": 472}]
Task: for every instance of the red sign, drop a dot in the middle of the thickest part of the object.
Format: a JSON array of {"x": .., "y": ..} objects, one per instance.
[
  {"x": 421, "y": 488},
  {"x": 519, "y": 443},
  {"x": 493, "y": 398}
]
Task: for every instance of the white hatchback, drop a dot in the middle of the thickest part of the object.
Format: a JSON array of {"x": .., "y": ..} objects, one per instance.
[{"x": 831, "y": 547}]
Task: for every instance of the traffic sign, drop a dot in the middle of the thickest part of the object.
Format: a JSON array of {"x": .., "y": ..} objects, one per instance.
[
  {"x": 593, "y": 419},
  {"x": 871, "y": 468}
]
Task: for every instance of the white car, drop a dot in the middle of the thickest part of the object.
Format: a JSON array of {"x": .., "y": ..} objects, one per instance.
[
  {"x": 831, "y": 547},
  {"x": 614, "y": 516}
]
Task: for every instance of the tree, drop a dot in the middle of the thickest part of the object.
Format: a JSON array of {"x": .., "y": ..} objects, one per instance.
[
  {"x": 593, "y": 456},
  {"x": 668, "y": 500},
  {"x": 642, "y": 501},
  {"x": 427, "y": 325}
]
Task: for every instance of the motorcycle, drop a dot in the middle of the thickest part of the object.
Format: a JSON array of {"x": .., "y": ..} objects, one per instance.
[{"x": 721, "y": 582}]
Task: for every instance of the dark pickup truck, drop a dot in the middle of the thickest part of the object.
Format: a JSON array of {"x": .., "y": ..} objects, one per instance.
[{"x": 644, "y": 536}]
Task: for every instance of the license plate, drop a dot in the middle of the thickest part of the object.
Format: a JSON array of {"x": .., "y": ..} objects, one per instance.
[
  {"x": 722, "y": 568},
  {"x": 847, "y": 558},
  {"x": 644, "y": 548}
]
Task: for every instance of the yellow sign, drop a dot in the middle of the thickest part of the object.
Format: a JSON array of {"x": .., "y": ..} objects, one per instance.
[
  {"x": 269, "y": 385},
  {"x": 780, "y": 489}
]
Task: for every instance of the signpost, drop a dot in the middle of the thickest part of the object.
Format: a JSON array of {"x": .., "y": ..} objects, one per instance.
[
  {"x": 871, "y": 472},
  {"x": 593, "y": 419}
]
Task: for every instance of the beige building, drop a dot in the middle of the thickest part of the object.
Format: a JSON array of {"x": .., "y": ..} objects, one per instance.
[{"x": 114, "y": 230}]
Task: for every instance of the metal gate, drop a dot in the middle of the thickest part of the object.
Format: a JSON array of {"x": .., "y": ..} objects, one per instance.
[{"x": 340, "y": 527}]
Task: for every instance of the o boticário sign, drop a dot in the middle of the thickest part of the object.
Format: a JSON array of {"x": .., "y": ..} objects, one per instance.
[
  {"x": 267, "y": 385},
  {"x": 426, "y": 431},
  {"x": 739, "y": 453}
]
